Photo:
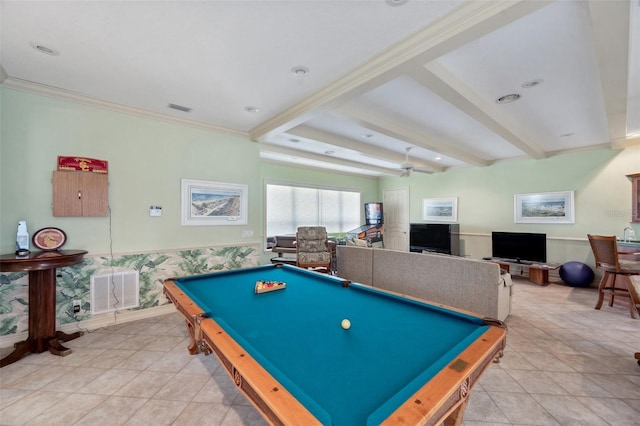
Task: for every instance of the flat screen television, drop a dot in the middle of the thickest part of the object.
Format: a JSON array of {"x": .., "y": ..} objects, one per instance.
[
  {"x": 523, "y": 247},
  {"x": 434, "y": 237},
  {"x": 373, "y": 214}
]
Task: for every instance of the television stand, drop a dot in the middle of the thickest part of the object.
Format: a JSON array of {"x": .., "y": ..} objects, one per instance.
[{"x": 538, "y": 272}]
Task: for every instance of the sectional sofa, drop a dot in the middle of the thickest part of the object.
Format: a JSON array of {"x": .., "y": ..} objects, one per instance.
[{"x": 471, "y": 285}]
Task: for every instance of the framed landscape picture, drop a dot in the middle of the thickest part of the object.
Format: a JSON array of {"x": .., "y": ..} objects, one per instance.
[
  {"x": 544, "y": 207},
  {"x": 440, "y": 209},
  {"x": 213, "y": 203}
]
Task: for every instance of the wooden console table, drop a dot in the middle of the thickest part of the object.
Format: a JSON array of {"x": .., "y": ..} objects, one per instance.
[
  {"x": 41, "y": 266},
  {"x": 538, "y": 272}
]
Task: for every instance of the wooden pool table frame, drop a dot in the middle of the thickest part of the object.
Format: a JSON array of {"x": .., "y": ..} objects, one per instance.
[{"x": 441, "y": 399}]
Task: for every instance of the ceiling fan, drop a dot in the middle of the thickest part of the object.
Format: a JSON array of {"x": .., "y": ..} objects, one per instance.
[{"x": 406, "y": 168}]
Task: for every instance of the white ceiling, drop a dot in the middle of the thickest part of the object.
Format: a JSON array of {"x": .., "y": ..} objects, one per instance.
[{"x": 383, "y": 75}]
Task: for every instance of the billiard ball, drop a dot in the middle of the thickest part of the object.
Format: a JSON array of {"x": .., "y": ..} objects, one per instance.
[{"x": 346, "y": 324}]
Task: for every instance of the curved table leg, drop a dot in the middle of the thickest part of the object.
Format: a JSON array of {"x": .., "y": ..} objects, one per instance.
[
  {"x": 20, "y": 350},
  {"x": 52, "y": 344},
  {"x": 65, "y": 337},
  {"x": 56, "y": 348}
]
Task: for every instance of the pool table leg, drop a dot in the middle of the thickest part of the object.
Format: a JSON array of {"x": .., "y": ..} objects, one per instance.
[
  {"x": 193, "y": 346},
  {"x": 196, "y": 344},
  {"x": 455, "y": 418}
]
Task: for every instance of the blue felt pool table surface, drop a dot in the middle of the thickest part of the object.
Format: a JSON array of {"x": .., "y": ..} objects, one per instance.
[{"x": 343, "y": 377}]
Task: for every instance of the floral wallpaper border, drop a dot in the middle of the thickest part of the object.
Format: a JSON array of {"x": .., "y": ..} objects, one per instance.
[{"x": 73, "y": 282}]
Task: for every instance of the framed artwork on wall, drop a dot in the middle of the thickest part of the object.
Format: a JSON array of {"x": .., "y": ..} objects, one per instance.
[
  {"x": 440, "y": 209},
  {"x": 544, "y": 207},
  {"x": 213, "y": 203}
]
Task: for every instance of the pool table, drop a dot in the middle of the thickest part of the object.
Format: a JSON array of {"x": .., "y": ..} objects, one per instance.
[{"x": 402, "y": 360}]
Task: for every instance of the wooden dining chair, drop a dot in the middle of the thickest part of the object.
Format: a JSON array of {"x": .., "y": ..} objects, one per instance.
[
  {"x": 635, "y": 295},
  {"x": 616, "y": 275},
  {"x": 312, "y": 249}
]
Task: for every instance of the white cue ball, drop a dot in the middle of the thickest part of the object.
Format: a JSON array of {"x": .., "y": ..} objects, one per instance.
[{"x": 346, "y": 324}]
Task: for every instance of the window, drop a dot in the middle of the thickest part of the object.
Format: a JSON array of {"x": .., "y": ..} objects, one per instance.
[{"x": 291, "y": 206}]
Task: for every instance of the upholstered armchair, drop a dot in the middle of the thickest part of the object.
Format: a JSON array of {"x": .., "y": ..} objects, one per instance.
[{"x": 312, "y": 248}]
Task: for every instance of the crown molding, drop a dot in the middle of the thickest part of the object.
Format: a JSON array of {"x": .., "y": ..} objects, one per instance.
[
  {"x": 3, "y": 74},
  {"x": 56, "y": 93}
]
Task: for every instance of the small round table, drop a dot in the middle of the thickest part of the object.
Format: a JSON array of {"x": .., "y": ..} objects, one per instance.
[{"x": 41, "y": 266}]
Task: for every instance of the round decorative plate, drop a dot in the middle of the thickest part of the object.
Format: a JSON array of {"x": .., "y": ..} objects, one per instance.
[{"x": 49, "y": 238}]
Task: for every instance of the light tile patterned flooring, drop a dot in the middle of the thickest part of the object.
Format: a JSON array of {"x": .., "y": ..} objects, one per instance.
[{"x": 565, "y": 364}]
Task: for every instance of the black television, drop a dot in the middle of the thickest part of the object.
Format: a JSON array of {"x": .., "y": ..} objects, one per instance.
[
  {"x": 435, "y": 237},
  {"x": 373, "y": 214},
  {"x": 519, "y": 247}
]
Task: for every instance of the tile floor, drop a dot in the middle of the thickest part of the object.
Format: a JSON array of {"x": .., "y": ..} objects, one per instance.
[{"x": 565, "y": 364}]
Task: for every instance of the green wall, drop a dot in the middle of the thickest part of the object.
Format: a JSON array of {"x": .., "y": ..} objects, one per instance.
[
  {"x": 486, "y": 197},
  {"x": 148, "y": 157},
  {"x": 147, "y": 160}
]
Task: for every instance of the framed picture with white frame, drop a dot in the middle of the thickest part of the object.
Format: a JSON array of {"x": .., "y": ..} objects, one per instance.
[
  {"x": 544, "y": 207},
  {"x": 207, "y": 203},
  {"x": 440, "y": 209}
]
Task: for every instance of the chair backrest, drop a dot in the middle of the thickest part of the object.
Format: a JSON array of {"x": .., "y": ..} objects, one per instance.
[
  {"x": 605, "y": 250},
  {"x": 312, "y": 239}
]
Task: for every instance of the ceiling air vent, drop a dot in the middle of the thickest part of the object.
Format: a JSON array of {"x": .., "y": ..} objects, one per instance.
[
  {"x": 180, "y": 107},
  {"x": 508, "y": 98}
]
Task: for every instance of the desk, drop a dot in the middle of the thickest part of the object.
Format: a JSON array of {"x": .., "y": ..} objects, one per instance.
[
  {"x": 538, "y": 272},
  {"x": 402, "y": 360},
  {"x": 42, "y": 300}
]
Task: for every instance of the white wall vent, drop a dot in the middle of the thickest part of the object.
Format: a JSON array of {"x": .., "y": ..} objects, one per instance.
[{"x": 115, "y": 291}]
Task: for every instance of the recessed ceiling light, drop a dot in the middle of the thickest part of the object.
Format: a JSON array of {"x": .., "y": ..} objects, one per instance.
[
  {"x": 294, "y": 140},
  {"x": 180, "y": 107},
  {"x": 438, "y": 158},
  {"x": 396, "y": 2},
  {"x": 300, "y": 70},
  {"x": 329, "y": 152},
  {"x": 508, "y": 98},
  {"x": 44, "y": 49},
  {"x": 532, "y": 83},
  {"x": 367, "y": 135},
  {"x": 250, "y": 108}
]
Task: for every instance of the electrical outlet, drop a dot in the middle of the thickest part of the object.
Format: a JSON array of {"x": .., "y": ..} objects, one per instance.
[{"x": 76, "y": 306}]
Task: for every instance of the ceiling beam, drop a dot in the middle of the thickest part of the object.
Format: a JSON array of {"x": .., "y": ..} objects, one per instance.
[
  {"x": 443, "y": 83},
  {"x": 306, "y": 132},
  {"x": 407, "y": 132},
  {"x": 610, "y": 26},
  {"x": 468, "y": 22},
  {"x": 325, "y": 159}
]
